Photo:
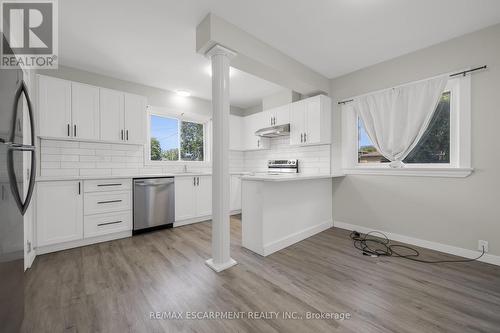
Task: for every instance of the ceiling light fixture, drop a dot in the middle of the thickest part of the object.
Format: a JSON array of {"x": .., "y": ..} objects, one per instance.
[{"x": 183, "y": 93}]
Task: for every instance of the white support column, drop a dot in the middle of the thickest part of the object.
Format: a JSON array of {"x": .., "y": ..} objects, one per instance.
[{"x": 221, "y": 258}]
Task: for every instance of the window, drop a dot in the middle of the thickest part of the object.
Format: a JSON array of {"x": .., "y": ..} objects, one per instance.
[
  {"x": 433, "y": 147},
  {"x": 173, "y": 139},
  {"x": 443, "y": 150}
]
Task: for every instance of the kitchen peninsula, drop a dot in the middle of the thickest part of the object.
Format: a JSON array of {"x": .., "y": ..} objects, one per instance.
[{"x": 281, "y": 210}]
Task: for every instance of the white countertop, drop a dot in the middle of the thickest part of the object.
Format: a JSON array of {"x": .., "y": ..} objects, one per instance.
[
  {"x": 180, "y": 174},
  {"x": 286, "y": 177},
  {"x": 244, "y": 176}
]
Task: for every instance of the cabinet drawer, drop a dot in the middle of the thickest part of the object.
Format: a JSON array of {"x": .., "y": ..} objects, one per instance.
[
  {"x": 105, "y": 185},
  {"x": 106, "y": 202},
  {"x": 108, "y": 223}
]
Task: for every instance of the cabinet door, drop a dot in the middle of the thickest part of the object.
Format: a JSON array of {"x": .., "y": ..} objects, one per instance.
[
  {"x": 253, "y": 123},
  {"x": 85, "y": 111},
  {"x": 235, "y": 203},
  {"x": 267, "y": 118},
  {"x": 54, "y": 100},
  {"x": 111, "y": 105},
  {"x": 59, "y": 209},
  {"x": 185, "y": 200},
  {"x": 135, "y": 118},
  {"x": 297, "y": 123},
  {"x": 282, "y": 115},
  {"x": 203, "y": 195},
  {"x": 313, "y": 121}
]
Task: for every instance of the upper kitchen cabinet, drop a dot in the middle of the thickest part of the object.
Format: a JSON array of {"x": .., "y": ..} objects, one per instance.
[
  {"x": 80, "y": 111},
  {"x": 251, "y": 124},
  {"x": 123, "y": 116},
  {"x": 277, "y": 116},
  {"x": 310, "y": 121},
  {"x": 135, "y": 119},
  {"x": 85, "y": 111},
  {"x": 112, "y": 114},
  {"x": 54, "y": 103}
]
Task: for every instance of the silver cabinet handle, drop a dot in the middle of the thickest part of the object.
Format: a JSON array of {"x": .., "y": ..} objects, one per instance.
[
  {"x": 258, "y": 143},
  {"x": 69, "y": 129},
  {"x": 108, "y": 223},
  {"x": 79, "y": 188},
  {"x": 305, "y": 137},
  {"x": 301, "y": 137},
  {"x": 197, "y": 181},
  {"x": 121, "y": 134},
  {"x": 109, "y": 184},
  {"x": 74, "y": 130},
  {"x": 127, "y": 134},
  {"x": 194, "y": 181},
  {"x": 108, "y": 201}
]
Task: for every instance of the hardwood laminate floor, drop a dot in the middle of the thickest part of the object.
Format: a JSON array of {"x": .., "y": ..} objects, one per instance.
[{"x": 114, "y": 287}]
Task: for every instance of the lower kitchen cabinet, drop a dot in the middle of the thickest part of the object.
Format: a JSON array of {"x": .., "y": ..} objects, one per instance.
[
  {"x": 103, "y": 224},
  {"x": 76, "y": 213},
  {"x": 193, "y": 197},
  {"x": 59, "y": 207}
]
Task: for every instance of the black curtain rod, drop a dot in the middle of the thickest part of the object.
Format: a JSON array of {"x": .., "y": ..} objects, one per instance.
[{"x": 464, "y": 73}]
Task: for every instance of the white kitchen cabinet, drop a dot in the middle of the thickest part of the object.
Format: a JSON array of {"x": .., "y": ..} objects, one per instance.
[
  {"x": 123, "y": 117},
  {"x": 251, "y": 124},
  {"x": 310, "y": 121},
  {"x": 59, "y": 209},
  {"x": 112, "y": 114},
  {"x": 277, "y": 116},
  {"x": 236, "y": 133},
  {"x": 185, "y": 199},
  {"x": 54, "y": 105},
  {"x": 135, "y": 119},
  {"x": 235, "y": 195},
  {"x": 84, "y": 111},
  {"x": 203, "y": 195},
  {"x": 193, "y": 197}
]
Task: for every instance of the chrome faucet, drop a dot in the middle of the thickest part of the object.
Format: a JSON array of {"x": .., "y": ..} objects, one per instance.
[{"x": 185, "y": 169}]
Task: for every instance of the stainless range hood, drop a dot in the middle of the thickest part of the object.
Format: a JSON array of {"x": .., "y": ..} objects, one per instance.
[{"x": 274, "y": 131}]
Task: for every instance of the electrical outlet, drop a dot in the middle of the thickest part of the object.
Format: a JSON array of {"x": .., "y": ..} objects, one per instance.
[{"x": 482, "y": 244}]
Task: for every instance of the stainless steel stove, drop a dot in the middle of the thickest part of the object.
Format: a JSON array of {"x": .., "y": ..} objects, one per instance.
[{"x": 279, "y": 167}]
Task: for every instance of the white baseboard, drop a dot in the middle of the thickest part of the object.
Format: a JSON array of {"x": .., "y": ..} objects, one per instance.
[
  {"x": 193, "y": 220},
  {"x": 295, "y": 237},
  {"x": 82, "y": 242},
  {"x": 458, "y": 251}
]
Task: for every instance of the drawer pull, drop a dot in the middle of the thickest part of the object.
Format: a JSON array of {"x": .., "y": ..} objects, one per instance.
[
  {"x": 109, "y": 184},
  {"x": 108, "y": 201},
  {"x": 108, "y": 223}
]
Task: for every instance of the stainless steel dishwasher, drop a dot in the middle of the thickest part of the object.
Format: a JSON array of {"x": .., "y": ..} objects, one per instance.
[{"x": 154, "y": 203}]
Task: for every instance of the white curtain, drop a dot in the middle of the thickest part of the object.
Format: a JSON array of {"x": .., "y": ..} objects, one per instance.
[{"x": 395, "y": 119}]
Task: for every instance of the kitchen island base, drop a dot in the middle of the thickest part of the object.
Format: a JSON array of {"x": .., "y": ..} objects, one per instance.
[{"x": 277, "y": 214}]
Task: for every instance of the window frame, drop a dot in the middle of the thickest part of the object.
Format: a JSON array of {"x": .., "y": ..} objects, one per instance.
[
  {"x": 180, "y": 117},
  {"x": 460, "y": 136}
]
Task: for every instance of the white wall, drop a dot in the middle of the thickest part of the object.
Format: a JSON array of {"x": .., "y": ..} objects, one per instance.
[{"x": 456, "y": 211}]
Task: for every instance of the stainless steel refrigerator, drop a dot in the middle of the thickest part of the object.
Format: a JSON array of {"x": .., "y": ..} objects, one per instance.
[{"x": 17, "y": 147}]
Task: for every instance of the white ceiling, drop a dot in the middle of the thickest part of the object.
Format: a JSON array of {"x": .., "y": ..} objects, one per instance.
[{"x": 153, "y": 42}]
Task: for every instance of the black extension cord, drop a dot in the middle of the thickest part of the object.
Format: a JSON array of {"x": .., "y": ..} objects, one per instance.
[{"x": 382, "y": 247}]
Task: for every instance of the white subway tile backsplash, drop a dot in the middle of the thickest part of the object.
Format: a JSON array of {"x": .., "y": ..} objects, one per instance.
[
  {"x": 95, "y": 172},
  {"x": 58, "y": 172},
  {"x": 72, "y": 158}
]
